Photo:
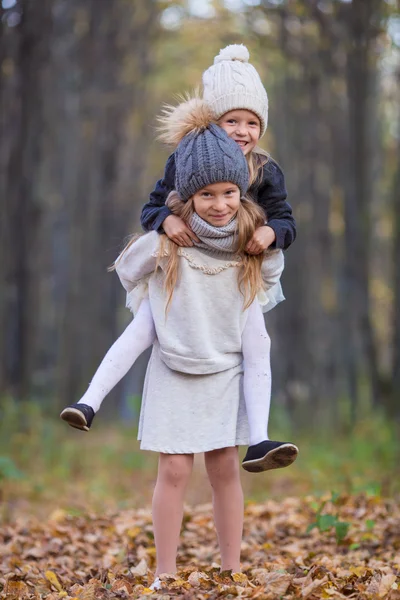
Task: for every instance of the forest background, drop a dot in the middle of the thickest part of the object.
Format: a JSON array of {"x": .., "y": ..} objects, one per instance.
[{"x": 81, "y": 83}]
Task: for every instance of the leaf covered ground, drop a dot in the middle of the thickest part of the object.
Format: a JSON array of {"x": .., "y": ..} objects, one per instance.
[{"x": 343, "y": 547}]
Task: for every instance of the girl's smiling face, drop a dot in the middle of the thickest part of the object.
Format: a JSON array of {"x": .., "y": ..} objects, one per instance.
[
  {"x": 217, "y": 203},
  {"x": 243, "y": 126}
]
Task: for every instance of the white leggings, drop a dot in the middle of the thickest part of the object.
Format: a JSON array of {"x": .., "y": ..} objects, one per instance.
[{"x": 140, "y": 335}]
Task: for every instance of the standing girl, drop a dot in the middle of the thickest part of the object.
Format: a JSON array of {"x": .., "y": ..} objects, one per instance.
[
  {"x": 200, "y": 300},
  {"x": 237, "y": 98}
]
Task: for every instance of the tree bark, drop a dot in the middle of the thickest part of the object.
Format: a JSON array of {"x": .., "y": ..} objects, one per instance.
[{"x": 21, "y": 160}]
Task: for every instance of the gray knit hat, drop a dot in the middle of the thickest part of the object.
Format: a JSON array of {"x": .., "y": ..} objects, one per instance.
[
  {"x": 208, "y": 157},
  {"x": 205, "y": 154}
]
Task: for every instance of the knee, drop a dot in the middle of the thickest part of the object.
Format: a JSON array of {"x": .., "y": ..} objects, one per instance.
[
  {"x": 222, "y": 466},
  {"x": 175, "y": 470}
]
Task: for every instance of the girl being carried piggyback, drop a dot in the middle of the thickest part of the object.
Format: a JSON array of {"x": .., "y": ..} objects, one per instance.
[{"x": 238, "y": 101}]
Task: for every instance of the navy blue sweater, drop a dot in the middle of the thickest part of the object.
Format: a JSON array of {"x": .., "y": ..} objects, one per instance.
[{"x": 270, "y": 194}]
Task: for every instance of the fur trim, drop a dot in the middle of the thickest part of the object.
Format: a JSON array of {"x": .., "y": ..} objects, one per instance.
[
  {"x": 192, "y": 115},
  {"x": 233, "y": 52}
]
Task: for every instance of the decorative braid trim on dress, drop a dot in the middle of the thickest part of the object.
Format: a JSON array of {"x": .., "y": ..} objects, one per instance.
[
  {"x": 237, "y": 262},
  {"x": 209, "y": 270}
]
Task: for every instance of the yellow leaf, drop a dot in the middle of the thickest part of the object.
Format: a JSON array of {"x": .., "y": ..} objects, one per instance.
[
  {"x": 178, "y": 583},
  {"x": 52, "y": 577},
  {"x": 62, "y": 594},
  {"x": 359, "y": 571},
  {"x": 151, "y": 551},
  {"x": 57, "y": 515},
  {"x": 328, "y": 592},
  {"x": 239, "y": 578},
  {"x": 134, "y": 532},
  {"x": 266, "y": 546},
  {"x": 147, "y": 591}
]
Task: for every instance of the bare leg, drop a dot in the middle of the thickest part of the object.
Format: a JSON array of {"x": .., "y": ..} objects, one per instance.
[
  {"x": 174, "y": 471},
  {"x": 223, "y": 472},
  {"x": 137, "y": 337}
]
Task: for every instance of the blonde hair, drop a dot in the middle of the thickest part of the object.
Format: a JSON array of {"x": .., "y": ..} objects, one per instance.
[
  {"x": 256, "y": 159},
  {"x": 249, "y": 217}
]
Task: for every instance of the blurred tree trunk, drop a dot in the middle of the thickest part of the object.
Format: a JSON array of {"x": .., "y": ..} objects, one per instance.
[
  {"x": 102, "y": 161},
  {"x": 361, "y": 19},
  {"x": 327, "y": 109},
  {"x": 74, "y": 137},
  {"x": 291, "y": 335},
  {"x": 307, "y": 331},
  {"x": 25, "y": 51},
  {"x": 394, "y": 406}
]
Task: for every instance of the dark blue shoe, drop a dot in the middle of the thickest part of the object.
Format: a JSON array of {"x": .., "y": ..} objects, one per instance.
[
  {"x": 269, "y": 455},
  {"x": 79, "y": 416}
]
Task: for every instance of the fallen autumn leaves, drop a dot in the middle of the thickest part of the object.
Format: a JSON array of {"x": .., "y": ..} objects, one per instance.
[{"x": 104, "y": 557}]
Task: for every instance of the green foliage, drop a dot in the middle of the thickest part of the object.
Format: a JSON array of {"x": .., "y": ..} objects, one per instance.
[
  {"x": 47, "y": 462},
  {"x": 8, "y": 469},
  {"x": 325, "y": 522},
  {"x": 67, "y": 466},
  {"x": 364, "y": 459},
  {"x": 370, "y": 524}
]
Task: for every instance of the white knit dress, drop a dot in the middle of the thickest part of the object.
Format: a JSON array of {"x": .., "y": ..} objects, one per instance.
[{"x": 192, "y": 398}]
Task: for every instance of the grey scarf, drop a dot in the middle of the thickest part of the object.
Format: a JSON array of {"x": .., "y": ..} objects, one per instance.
[{"x": 217, "y": 239}]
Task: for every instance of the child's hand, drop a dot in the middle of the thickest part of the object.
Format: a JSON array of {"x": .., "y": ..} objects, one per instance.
[
  {"x": 177, "y": 231},
  {"x": 262, "y": 238}
]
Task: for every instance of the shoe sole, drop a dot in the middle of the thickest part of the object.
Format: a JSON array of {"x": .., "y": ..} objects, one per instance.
[
  {"x": 278, "y": 458},
  {"x": 74, "y": 418}
]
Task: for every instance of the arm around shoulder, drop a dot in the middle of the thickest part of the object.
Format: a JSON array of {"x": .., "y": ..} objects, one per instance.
[
  {"x": 154, "y": 212},
  {"x": 272, "y": 198}
]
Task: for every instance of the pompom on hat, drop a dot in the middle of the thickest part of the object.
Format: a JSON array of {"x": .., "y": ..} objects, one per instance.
[
  {"x": 205, "y": 154},
  {"x": 233, "y": 83}
]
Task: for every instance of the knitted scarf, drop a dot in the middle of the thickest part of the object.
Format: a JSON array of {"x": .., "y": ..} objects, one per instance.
[{"x": 217, "y": 239}]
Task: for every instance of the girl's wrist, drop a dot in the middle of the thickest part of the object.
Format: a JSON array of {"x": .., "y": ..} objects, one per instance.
[{"x": 271, "y": 230}]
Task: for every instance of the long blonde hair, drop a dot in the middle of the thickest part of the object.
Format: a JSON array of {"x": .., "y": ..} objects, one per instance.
[
  {"x": 256, "y": 159},
  {"x": 249, "y": 217}
]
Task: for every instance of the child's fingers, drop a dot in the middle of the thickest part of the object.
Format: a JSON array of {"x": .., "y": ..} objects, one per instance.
[
  {"x": 190, "y": 237},
  {"x": 186, "y": 239},
  {"x": 253, "y": 248}
]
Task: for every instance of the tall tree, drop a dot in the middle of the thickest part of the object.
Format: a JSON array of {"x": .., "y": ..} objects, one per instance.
[
  {"x": 24, "y": 51},
  {"x": 395, "y": 395}
]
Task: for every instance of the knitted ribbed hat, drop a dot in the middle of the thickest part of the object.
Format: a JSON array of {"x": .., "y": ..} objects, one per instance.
[
  {"x": 205, "y": 153},
  {"x": 233, "y": 83}
]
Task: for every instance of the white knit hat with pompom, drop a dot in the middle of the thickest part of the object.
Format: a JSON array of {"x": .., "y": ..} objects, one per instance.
[{"x": 233, "y": 83}]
